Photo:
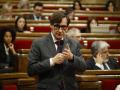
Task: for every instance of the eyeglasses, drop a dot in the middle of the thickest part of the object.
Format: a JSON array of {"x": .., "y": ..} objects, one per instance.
[{"x": 58, "y": 27}]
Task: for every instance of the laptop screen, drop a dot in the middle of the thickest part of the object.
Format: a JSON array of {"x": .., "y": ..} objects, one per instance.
[{"x": 101, "y": 28}]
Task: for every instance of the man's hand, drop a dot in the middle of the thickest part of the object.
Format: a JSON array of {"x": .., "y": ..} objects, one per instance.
[
  {"x": 58, "y": 59},
  {"x": 67, "y": 54},
  {"x": 99, "y": 59}
]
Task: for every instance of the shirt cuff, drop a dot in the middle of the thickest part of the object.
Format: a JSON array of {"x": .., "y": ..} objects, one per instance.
[{"x": 51, "y": 62}]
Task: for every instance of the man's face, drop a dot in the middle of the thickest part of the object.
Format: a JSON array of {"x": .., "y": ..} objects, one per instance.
[
  {"x": 38, "y": 10},
  {"x": 105, "y": 53},
  {"x": 7, "y": 38},
  {"x": 59, "y": 29}
]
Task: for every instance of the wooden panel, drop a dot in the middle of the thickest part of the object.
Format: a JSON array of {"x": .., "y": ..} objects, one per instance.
[
  {"x": 101, "y": 72},
  {"x": 106, "y": 80},
  {"x": 21, "y": 80}
]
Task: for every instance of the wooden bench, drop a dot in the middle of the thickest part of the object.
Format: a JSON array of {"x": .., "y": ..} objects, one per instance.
[
  {"x": 83, "y": 35},
  {"x": 21, "y": 80},
  {"x": 103, "y": 82},
  {"x": 81, "y": 15},
  {"x": 25, "y": 42},
  {"x": 23, "y": 60},
  {"x": 44, "y": 25},
  {"x": 93, "y": 4},
  {"x": 88, "y": 80}
]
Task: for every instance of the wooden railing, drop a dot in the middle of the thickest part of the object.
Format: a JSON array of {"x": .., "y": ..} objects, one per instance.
[
  {"x": 90, "y": 79},
  {"x": 83, "y": 35}
]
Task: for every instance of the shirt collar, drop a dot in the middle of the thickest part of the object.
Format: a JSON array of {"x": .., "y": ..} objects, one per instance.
[
  {"x": 54, "y": 39},
  {"x": 6, "y": 49}
]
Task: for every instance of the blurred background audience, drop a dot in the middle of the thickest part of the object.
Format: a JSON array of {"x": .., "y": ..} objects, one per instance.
[
  {"x": 77, "y": 5},
  {"x": 110, "y": 6},
  {"x": 6, "y": 11},
  {"x": 37, "y": 12},
  {"x": 24, "y": 4}
]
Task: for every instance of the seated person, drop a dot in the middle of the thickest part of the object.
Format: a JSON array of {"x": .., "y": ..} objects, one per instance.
[
  {"x": 110, "y": 6},
  {"x": 24, "y": 4},
  {"x": 37, "y": 12},
  {"x": 8, "y": 54},
  {"x": 74, "y": 33},
  {"x": 6, "y": 12},
  {"x": 77, "y": 5},
  {"x": 91, "y": 21},
  {"x": 20, "y": 24},
  {"x": 69, "y": 12},
  {"x": 100, "y": 57}
]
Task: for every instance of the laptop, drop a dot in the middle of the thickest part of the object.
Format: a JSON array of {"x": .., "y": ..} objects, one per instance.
[{"x": 101, "y": 28}]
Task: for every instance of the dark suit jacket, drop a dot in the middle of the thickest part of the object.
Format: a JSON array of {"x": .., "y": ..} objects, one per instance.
[
  {"x": 51, "y": 76},
  {"x": 31, "y": 17},
  {"x": 3, "y": 56},
  {"x": 112, "y": 63}
]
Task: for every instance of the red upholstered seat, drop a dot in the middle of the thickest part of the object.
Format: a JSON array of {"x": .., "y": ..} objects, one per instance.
[
  {"x": 100, "y": 18},
  {"x": 26, "y": 43},
  {"x": 42, "y": 28},
  {"x": 97, "y": 9},
  {"x": 9, "y": 87},
  {"x": 110, "y": 84},
  {"x": 23, "y": 44}
]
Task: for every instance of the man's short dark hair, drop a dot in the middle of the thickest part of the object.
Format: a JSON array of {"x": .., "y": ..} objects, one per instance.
[
  {"x": 57, "y": 18},
  {"x": 38, "y": 4}
]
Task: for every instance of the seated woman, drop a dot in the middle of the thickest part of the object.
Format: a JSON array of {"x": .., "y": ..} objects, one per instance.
[
  {"x": 92, "y": 21},
  {"x": 8, "y": 55},
  {"x": 77, "y": 5},
  {"x": 110, "y": 6},
  {"x": 6, "y": 12},
  {"x": 20, "y": 24}
]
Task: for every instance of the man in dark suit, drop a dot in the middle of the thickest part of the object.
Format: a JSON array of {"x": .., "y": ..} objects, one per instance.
[
  {"x": 55, "y": 58},
  {"x": 100, "y": 57},
  {"x": 37, "y": 12}
]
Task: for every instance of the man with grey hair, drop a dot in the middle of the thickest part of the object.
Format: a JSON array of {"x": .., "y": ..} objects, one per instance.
[
  {"x": 100, "y": 57},
  {"x": 74, "y": 33}
]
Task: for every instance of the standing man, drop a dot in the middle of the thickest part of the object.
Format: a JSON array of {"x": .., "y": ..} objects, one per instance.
[
  {"x": 37, "y": 12},
  {"x": 55, "y": 58}
]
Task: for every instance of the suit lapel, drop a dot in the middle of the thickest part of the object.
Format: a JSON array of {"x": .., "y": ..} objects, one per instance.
[
  {"x": 50, "y": 45},
  {"x": 110, "y": 65},
  {"x": 65, "y": 43}
]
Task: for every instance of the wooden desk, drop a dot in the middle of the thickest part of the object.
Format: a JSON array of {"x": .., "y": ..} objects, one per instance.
[
  {"x": 21, "y": 80},
  {"x": 101, "y": 72},
  {"x": 97, "y": 82},
  {"x": 13, "y": 75},
  {"x": 83, "y": 35}
]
